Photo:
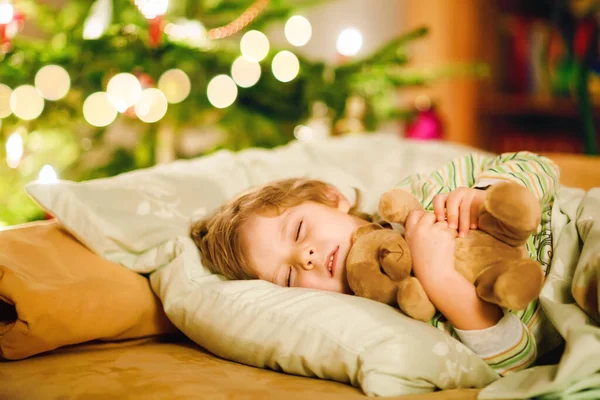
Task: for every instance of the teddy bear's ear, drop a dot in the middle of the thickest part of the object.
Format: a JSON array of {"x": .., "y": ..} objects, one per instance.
[
  {"x": 363, "y": 230},
  {"x": 395, "y": 205}
]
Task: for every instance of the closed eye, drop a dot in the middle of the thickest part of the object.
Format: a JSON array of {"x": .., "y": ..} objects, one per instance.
[
  {"x": 299, "y": 227},
  {"x": 289, "y": 277}
]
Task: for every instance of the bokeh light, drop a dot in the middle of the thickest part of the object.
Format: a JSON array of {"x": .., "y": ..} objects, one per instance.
[
  {"x": 5, "y": 93},
  {"x": 47, "y": 174},
  {"x": 298, "y": 30},
  {"x": 152, "y": 105},
  {"x": 26, "y": 103},
  {"x": 14, "y": 150},
  {"x": 245, "y": 72},
  {"x": 222, "y": 91},
  {"x": 53, "y": 82},
  {"x": 175, "y": 85},
  {"x": 349, "y": 42},
  {"x": 285, "y": 66},
  {"x": 98, "y": 110},
  {"x": 7, "y": 13},
  {"x": 254, "y": 45},
  {"x": 124, "y": 90}
]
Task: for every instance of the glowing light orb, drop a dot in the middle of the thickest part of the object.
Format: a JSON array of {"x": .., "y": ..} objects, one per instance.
[
  {"x": 152, "y": 105},
  {"x": 5, "y": 93},
  {"x": 285, "y": 66},
  {"x": 98, "y": 110},
  {"x": 14, "y": 150},
  {"x": 254, "y": 45},
  {"x": 124, "y": 90},
  {"x": 7, "y": 13},
  {"x": 222, "y": 91},
  {"x": 349, "y": 42},
  {"x": 175, "y": 85},
  {"x": 26, "y": 102},
  {"x": 53, "y": 82},
  {"x": 245, "y": 72},
  {"x": 298, "y": 30},
  {"x": 47, "y": 174}
]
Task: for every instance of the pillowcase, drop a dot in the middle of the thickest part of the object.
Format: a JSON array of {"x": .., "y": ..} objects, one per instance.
[
  {"x": 55, "y": 292},
  {"x": 313, "y": 333},
  {"x": 141, "y": 220}
]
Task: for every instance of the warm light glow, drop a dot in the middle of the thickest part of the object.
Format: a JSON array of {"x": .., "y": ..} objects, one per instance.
[
  {"x": 93, "y": 29},
  {"x": 349, "y": 42},
  {"x": 175, "y": 85},
  {"x": 152, "y": 8},
  {"x": 53, "y": 82},
  {"x": 26, "y": 103},
  {"x": 285, "y": 66},
  {"x": 152, "y": 105},
  {"x": 124, "y": 90},
  {"x": 303, "y": 132},
  {"x": 298, "y": 30},
  {"x": 422, "y": 103},
  {"x": 221, "y": 91},
  {"x": 5, "y": 93},
  {"x": 254, "y": 45},
  {"x": 98, "y": 110},
  {"x": 245, "y": 72},
  {"x": 47, "y": 174},
  {"x": 7, "y": 13},
  {"x": 192, "y": 33},
  {"x": 14, "y": 150}
]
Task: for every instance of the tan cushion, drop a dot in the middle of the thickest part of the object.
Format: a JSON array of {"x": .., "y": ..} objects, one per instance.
[{"x": 56, "y": 292}]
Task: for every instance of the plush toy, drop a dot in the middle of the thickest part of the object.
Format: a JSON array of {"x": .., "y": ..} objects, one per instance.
[{"x": 493, "y": 257}]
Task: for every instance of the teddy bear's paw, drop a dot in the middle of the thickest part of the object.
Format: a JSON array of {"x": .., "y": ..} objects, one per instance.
[
  {"x": 512, "y": 284},
  {"x": 413, "y": 300},
  {"x": 510, "y": 213},
  {"x": 395, "y": 205}
]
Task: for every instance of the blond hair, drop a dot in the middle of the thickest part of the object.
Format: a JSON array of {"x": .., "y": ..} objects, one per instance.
[{"x": 217, "y": 236}]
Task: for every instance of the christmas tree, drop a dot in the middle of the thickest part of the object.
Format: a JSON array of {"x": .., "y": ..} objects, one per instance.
[{"x": 115, "y": 85}]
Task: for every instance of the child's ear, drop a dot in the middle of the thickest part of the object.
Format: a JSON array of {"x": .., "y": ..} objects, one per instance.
[{"x": 343, "y": 204}]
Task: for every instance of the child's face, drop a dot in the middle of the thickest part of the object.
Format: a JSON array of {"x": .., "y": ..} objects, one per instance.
[{"x": 305, "y": 246}]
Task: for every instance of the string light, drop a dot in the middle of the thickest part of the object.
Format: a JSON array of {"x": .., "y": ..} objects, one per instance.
[
  {"x": 26, "y": 103},
  {"x": 98, "y": 110},
  {"x": 152, "y": 8},
  {"x": 298, "y": 30},
  {"x": 245, "y": 72},
  {"x": 53, "y": 82},
  {"x": 349, "y": 42},
  {"x": 221, "y": 91},
  {"x": 14, "y": 150},
  {"x": 285, "y": 66},
  {"x": 239, "y": 23},
  {"x": 7, "y": 13},
  {"x": 254, "y": 45}
]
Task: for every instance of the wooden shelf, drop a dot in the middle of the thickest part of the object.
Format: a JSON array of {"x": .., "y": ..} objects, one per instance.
[{"x": 498, "y": 104}]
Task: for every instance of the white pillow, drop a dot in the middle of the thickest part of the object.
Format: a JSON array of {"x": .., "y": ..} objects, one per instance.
[
  {"x": 141, "y": 220},
  {"x": 313, "y": 333}
]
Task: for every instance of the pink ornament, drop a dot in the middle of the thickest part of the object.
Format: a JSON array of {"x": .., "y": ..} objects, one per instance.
[{"x": 427, "y": 125}]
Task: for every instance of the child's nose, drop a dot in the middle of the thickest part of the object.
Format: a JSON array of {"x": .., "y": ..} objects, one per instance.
[{"x": 309, "y": 259}]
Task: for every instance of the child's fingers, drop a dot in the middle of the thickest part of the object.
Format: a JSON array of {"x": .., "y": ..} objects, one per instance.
[
  {"x": 439, "y": 206},
  {"x": 452, "y": 204},
  {"x": 412, "y": 219},
  {"x": 464, "y": 217}
]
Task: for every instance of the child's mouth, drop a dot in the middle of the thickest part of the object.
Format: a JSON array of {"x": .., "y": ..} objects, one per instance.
[{"x": 332, "y": 260}]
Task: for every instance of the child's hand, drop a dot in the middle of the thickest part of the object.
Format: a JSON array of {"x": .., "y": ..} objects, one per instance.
[
  {"x": 431, "y": 244},
  {"x": 460, "y": 207}
]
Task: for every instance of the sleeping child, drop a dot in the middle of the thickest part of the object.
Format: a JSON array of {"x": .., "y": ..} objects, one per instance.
[{"x": 297, "y": 233}]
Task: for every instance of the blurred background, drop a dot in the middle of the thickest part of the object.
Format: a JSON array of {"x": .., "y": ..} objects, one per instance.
[{"x": 94, "y": 88}]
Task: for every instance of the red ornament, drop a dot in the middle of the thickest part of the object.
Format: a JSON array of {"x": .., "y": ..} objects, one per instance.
[
  {"x": 426, "y": 125},
  {"x": 155, "y": 31}
]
